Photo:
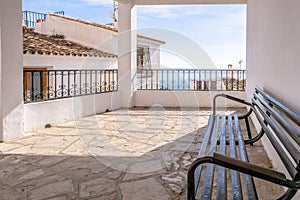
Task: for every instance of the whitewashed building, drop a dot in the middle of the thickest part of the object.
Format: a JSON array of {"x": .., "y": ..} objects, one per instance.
[
  {"x": 44, "y": 52},
  {"x": 99, "y": 36},
  {"x": 56, "y": 68},
  {"x": 63, "y": 45}
]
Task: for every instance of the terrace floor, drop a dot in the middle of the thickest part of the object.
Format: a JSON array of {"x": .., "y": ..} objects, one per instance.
[{"x": 141, "y": 153}]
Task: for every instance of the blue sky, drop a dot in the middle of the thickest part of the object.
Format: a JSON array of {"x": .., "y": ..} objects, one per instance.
[{"x": 219, "y": 29}]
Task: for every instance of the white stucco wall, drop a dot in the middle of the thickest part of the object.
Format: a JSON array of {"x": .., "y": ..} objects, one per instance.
[
  {"x": 273, "y": 61},
  {"x": 37, "y": 115},
  {"x": 90, "y": 35},
  {"x": 184, "y": 98},
  {"x": 155, "y": 57},
  {"x": 127, "y": 52},
  {"x": 79, "y": 32},
  {"x": 273, "y": 38},
  {"x": 68, "y": 62},
  {"x": 11, "y": 98},
  {"x": 154, "y": 50}
]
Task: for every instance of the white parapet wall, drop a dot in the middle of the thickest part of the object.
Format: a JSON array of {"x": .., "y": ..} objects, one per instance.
[
  {"x": 37, "y": 115},
  {"x": 167, "y": 98}
]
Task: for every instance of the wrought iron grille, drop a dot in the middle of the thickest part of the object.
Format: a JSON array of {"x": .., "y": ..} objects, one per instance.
[
  {"x": 30, "y": 17},
  {"x": 192, "y": 79},
  {"x": 44, "y": 85}
]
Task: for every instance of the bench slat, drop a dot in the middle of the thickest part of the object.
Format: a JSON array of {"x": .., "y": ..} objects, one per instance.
[
  {"x": 294, "y": 133},
  {"x": 290, "y": 147},
  {"x": 249, "y": 182},
  {"x": 291, "y": 114},
  {"x": 206, "y": 137},
  {"x": 209, "y": 173},
  {"x": 235, "y": 176},
  {"x": 222, "y": 175},
  {"x": 202, "y": 151},
  {"x": 214, "y": 136},
  {"x": 279, "y": 149},
  {"x": 208, "y": 184}
]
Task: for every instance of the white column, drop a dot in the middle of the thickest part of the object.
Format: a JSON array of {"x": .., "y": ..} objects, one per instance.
[
  {"x": 126, "y": 51},
  {"x": 11, "y": 76}
]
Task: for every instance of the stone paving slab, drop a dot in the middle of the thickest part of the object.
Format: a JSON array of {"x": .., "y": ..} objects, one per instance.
[{"x": 141, "y": 153}]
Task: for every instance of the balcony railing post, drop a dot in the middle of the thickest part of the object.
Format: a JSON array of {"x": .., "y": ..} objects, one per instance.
[
  {"x": 244, "y": 80},
  {"x": 146, "y": 82}
]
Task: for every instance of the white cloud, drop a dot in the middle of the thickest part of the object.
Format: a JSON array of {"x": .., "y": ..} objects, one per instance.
[
  {"x": 167, "y": 11},
  {"x": 98, "y": 2},
  {"x": 234, "y": 14}
]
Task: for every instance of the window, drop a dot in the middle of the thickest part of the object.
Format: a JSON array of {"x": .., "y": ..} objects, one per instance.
[
  {"x": 143, "y": 57},
  {"x": 35, "y": 84}
]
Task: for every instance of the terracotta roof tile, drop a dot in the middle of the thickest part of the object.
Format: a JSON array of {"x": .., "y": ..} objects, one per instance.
[{"x": 36, "y": 43}]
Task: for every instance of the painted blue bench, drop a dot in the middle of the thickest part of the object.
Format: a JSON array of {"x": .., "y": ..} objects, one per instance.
[{"x": 223, "y": 159}]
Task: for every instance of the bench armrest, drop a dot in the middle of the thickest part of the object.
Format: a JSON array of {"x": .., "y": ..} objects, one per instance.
[
  {"x": 228, "y": 97},
  {"x": 246, "y": 168}
]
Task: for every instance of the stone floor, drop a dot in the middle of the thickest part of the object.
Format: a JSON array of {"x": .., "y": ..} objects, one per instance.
[{"x": 141, "y": 153}]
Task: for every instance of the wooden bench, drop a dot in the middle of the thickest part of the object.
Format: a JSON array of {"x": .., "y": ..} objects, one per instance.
[{"x": 223, "y": 156}]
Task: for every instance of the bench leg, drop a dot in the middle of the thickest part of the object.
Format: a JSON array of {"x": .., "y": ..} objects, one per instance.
[
  {"x": 248, "y": 130},
  {"x": 289, "y": 194}
]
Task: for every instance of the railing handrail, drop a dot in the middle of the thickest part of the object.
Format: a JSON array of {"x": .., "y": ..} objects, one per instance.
[
  {"x": 39, "y": 13},
  {"x": 33, "y": 12},
  {"x": 187, "y": 69},
  {"x": 66, "y": 70}
]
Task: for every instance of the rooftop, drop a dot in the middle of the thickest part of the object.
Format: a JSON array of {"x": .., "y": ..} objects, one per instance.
[
  {"x": 43, "y": 44},
  {"x": 107, "y": 27},
  {"x": 111, "y": 28}
]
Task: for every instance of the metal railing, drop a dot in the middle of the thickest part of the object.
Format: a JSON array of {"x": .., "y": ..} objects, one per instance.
[
  {"x": 30, "y": 17},
  {"x": 192, "y": 79},
  {"x": 43, "y": 85}
]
